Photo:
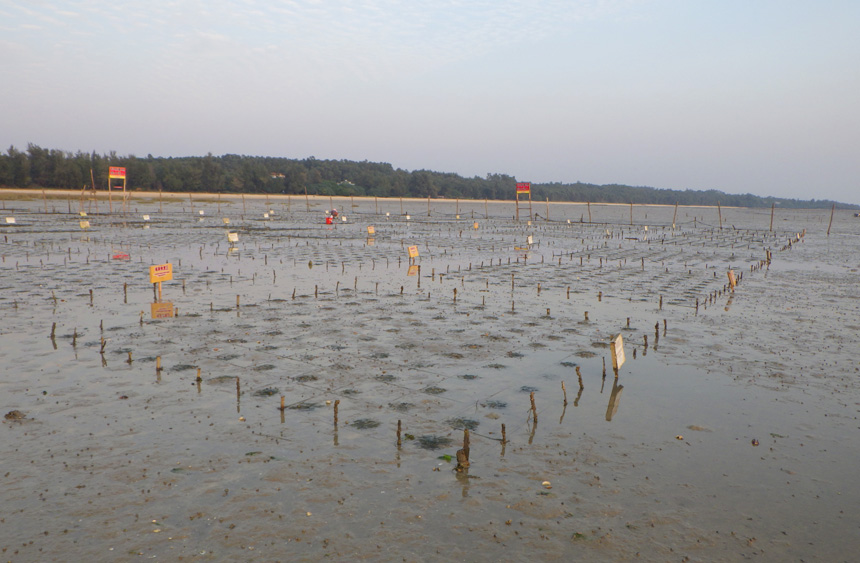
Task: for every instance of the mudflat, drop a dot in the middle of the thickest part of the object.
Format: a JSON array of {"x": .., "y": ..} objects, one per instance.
[{"x": 303, "y": 392}]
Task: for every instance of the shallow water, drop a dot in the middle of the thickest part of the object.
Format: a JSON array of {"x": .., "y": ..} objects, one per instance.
[{"x": 116, "y": 460}]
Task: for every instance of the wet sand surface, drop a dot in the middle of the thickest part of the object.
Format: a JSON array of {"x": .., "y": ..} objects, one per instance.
[{"x": 730, "y": 432}]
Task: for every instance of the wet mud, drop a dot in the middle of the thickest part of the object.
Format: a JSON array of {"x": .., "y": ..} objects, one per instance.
[{"x": 302, "y": 393}]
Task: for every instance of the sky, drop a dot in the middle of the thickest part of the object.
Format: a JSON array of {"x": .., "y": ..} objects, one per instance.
[{"x": 743, "y": 96}]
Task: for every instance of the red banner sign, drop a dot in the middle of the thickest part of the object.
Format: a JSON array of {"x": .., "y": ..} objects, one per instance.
[
  {"x": 524, "y": 187},
  {"x": 117, "y": 172}
]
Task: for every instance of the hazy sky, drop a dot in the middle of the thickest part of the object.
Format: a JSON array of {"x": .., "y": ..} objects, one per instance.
[{"x": 759, "y": 96}]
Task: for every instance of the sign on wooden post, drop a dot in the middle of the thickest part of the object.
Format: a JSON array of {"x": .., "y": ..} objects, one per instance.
[
  {"x": 160, "y": 273},
  {"x": 10, "y": 220},
  {"x": 371, "y": 230},
  {"x": 617, "y": 348},
  {"x": 85, "y": 224},
  {"x": 413, "y": 251},
  {"x": 232, "y": 237}
]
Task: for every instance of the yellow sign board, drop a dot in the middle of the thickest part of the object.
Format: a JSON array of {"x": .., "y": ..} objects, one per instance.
[
  {"x": 232, "y": 237},
  {"x": 371, "y": 230},
  {"x": 475, "y": 226},
  {"x": 85, "y": 224},
  {"x": 413, "y": 252},
  {"x": 160, "y": 273},
  {"x": 162, "y": 310},
  {"x": 617, "y": 348},
  {"x": 226, "y": 220},
  {"x": 10, "y": 220}
]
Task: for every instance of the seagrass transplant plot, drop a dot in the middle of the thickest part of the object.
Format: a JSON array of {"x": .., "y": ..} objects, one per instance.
[{"x": 305, "y": 389}]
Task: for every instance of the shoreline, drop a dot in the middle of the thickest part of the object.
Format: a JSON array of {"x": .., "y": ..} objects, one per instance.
[{"x": 39, "y": 193}]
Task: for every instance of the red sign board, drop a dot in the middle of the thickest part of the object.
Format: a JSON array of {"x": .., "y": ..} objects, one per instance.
[
  {"x": 524, "y": 187},
  {"x": 117, "y": 172}
]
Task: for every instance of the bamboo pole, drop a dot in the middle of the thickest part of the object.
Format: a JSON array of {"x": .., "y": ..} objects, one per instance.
[{"x": 720, "y": 214}]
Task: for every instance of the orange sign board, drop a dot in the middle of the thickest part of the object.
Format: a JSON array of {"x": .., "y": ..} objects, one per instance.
[
  {"x": 413, "y": 252},
  {"x": 524, "y": 187},
  {"x": 162, "y": 310},
  {"x": 160, "y": 273},
  {"x": 117, "y": 172},
  {"x": 371, "y": 230}
]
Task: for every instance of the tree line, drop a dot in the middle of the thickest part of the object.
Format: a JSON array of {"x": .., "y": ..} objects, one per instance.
[{"x": 38, "y": 167}]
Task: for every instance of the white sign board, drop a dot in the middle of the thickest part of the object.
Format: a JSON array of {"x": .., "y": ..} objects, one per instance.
[{"x": 617, "y": 348}]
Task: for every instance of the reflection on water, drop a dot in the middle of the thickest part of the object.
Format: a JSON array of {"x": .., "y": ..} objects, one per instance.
[{"x": 614, "y": 400}]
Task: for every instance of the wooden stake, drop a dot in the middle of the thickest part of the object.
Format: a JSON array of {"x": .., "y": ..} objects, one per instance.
[
  {"x": 463, "y": 454},
  {"x": 832, "y": 210},
  {"x": 563, "y": 390},
  {"x": 720, "y": 214}
]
